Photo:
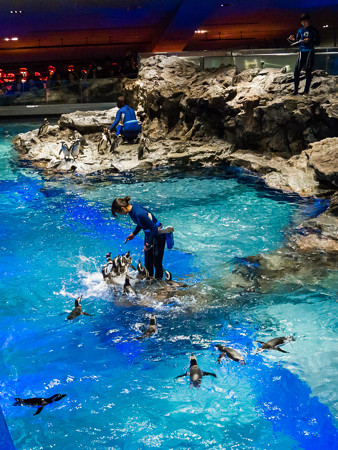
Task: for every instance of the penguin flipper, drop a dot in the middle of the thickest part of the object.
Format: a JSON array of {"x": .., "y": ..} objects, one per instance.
[
  {"x": 209, "y": 373},
  {"x": 39, "y": 410},
  {"x": 220, "y": 358},
  {"x": 183, "y": 375},
  {"x": 86, "y": 314},
  {"x": 279, "y": 350},
  {"x": 133, "y": 267}
]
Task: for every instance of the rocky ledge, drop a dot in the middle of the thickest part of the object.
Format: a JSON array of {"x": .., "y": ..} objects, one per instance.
[{"x": 193, "y": 118}]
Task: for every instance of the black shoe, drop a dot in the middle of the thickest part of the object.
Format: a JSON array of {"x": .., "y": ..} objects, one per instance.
[
  {"x": 304, "y": 93},
  {"x": 294, "y": 93}
]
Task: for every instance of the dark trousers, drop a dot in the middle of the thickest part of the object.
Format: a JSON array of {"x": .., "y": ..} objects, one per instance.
[
  {"x": 305, "y": 60},
  {"x": 154, "y": 257}
]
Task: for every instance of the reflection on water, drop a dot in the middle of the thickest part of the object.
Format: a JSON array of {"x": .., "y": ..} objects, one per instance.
[{"x": 120, "y": 391}]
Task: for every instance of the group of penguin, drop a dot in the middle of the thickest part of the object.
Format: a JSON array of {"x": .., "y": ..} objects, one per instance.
[
  {"x": 119, "y": 266},
  {"x": 109, "y": 141}
]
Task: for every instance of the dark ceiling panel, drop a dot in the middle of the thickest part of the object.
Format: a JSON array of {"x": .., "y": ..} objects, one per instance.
[{"x": 143, "y": 24}]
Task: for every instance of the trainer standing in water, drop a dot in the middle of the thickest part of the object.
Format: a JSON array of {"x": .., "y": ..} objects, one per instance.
[
  {"x": 154, "y": 242},
  {"x": 308, "y": 37}
]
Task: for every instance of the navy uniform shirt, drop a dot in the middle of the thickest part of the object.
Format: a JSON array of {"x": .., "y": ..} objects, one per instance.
[
  {"x": 129, "y": 114},
  {"x": 144, "y": 220},
  {"x": 310, "y": 33}
]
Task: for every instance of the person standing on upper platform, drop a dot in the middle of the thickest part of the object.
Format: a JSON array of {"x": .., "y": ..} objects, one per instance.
[
  {"x": 308, "y": 37},
  {"x": 125, "y": 121}
]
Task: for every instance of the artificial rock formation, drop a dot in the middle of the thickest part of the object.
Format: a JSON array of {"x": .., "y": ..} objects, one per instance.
[{"x": 193, "y": 118}]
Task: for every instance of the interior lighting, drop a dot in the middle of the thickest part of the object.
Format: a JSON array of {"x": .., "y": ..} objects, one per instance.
[
  {"x": 200, "y": 31},
  {"x": 6, "y": 39},
  {"x": 15, "y": 39},
  {"x": 325, "y": 26}
]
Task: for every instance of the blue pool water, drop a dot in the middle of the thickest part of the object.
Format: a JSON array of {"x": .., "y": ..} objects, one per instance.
[{"x": 121, "y": 392}]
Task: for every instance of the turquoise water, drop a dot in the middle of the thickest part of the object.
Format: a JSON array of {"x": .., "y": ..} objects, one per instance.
[{"x": 121, "y": 392}]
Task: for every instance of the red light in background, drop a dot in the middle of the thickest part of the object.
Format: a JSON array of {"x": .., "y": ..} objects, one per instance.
[{"x": 23, "y": 71}]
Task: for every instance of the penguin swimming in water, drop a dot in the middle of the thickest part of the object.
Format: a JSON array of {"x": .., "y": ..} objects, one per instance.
[
  {"x": 150, "y": 330},
  {"x": 77, "y": 311},
  {"x": 65, "y": 150},
  {"x": 43, "y": 127},
  {"x": 75, "y": 149},
  {"x": 230, "y": 353},
  {"x": 127, "y": 288},
  {"x": 196, "y": 374},
  {"x": 38, "y": 401},
  {"x": 274, "y": 344}
]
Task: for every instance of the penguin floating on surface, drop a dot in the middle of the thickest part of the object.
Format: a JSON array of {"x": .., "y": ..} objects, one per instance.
[
  {"x": 77, "y": 311},
  {"x": 230, "y": 353},
  {"x": 38, "y": 401},
  {"x": 150, "y": 330},
  {"x": 274, "y": 344},
  {"x": 43, "y": 127},
  {"x": 196, "y": 374}
]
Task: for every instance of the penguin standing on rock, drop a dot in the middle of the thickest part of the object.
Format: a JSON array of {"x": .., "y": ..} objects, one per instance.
[
  {"x": 150, "y": 330},
  {"x": 65, "y": 151},
  {"x": 38, "y": 401},
  {"x": 142, "y": 271},
  {"x": 196, "y": 374},
  {"x": 43, "y": 127},
  {"x": 105, "y": 142},
  {"x": 75, "y": 149}
]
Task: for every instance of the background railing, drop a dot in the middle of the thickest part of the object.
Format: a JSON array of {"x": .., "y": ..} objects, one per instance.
[
  {"x": 326, "y": 58},
  {"x": 106, "y": 90},
  {"x": 99, "y": 90}
]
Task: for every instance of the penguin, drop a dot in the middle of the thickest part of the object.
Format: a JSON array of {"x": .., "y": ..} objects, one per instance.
[
  {"x": 75, "y": 149},
  {"x": 65, "y": 150},
  {"x": 127, "y": 288},
  {"x": 105, "y": 141},
  {"x": 127, "y": 259},
  {"x": 77, "y": 311},
  {"x": 230, "y": 353},
  {"x": 38, "y": 401},
  {"x": 116, "y": 141},
  {"x": 108, "y": 271},
  {"x": 150, "y": 330},
  {"x": 196, "y": 374},
  {"x": 43, "y": 127},
  {"x": 274, "y": 344},
  {"x": 143, "y": 273}
]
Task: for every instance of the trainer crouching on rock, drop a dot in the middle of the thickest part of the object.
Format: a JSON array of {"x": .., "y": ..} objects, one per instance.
[{"x": 154, "y": 242}]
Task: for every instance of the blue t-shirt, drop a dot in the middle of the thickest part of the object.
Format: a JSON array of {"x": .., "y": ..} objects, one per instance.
[
  {"x": 129, "y": 114},
  {"x": 310, "y": 33},
  {"x": 145, "y": 220}
]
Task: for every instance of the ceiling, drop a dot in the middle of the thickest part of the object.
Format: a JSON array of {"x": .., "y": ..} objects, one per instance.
[{"x": 88, "y": 29}]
